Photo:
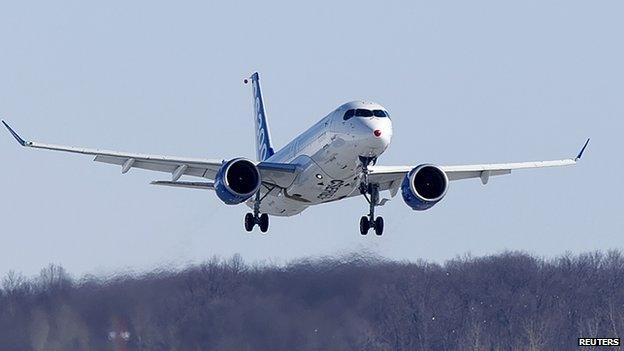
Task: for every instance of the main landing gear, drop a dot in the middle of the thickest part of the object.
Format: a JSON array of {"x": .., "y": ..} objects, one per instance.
[
  {"x": 371, "y": 194},
  {"x": 251, "y": 219},
  {"x": 262, "y": 221},
  {"x": 368, "y": 222}
]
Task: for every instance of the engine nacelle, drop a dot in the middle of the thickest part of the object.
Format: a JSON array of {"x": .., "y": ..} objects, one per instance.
[
  {"x": 424, "y": 186},
  {"x": 236, "y": 181}
]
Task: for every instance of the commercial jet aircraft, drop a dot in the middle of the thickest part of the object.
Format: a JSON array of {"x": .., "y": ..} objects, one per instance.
[{"x": 332, "y": 160}]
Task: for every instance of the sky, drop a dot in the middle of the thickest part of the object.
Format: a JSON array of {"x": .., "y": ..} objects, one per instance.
[{"x": 465, "y": 82}]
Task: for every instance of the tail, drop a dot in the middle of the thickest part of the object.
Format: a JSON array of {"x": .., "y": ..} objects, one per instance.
[{"x": 264, "y": 149}]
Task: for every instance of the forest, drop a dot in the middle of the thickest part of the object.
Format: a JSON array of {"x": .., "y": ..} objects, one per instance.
[{"x": 507, "y": 301}]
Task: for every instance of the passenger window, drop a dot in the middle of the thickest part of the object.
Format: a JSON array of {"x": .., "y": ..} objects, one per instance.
[
  {"x": 348, "y": 114},
  {"x": 363, "y": 113}
]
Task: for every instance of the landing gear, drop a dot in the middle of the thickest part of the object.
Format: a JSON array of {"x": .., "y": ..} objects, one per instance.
[
  {"x": 371, "y": 194},
  {"x": 251, "y": 219},
  {"x": 364, "y": 225},
  {"x": 264, "y": 222},
  {"x": 379, "y": 224},
  {"x": 368, "y": 222}
]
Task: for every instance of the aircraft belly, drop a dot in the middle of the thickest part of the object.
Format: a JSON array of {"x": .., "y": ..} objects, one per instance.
[
  {"x": 313, "y": 185},
  {"x": 336, "y": 158},
  {"x": 281, "y": 206},
  {"x": 328, "y": 169},
  {"x": 277, "y": 204}
]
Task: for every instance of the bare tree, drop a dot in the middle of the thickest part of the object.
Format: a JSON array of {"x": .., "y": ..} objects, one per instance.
[{"x": 507, "y": 301}]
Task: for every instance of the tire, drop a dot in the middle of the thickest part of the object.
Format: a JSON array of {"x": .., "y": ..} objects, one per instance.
[
  {"x": 379, "y": 225},
  {"x": 249, "y": 222},
  {"x": 264, "y": 222},
  {"x": 364, "y": 225}
]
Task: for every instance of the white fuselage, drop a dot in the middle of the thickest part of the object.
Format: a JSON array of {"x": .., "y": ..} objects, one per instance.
[{"x": 327, "y": 156}]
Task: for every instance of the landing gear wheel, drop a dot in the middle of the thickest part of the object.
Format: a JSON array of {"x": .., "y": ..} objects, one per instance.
[
  {"x": 379, "y": 225},
  {"x": 264, "y": 222},
  {"x": 249, "y": 222},
  {"x": 364, "y": 225}
]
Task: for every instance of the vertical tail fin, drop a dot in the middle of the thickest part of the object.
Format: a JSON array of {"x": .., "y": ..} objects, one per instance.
[{"x": 264, "y": 149}]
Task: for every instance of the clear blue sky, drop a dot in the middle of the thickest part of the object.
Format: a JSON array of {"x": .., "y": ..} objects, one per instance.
[{"x": 465, "y": 82}]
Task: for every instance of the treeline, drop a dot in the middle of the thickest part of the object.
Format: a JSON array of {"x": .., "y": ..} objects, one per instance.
[{"x": 510, "y": 301}]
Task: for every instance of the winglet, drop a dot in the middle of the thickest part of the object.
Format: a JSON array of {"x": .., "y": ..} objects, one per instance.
[
  {"x": 580, "y": 154},
  {"x": 15, "y": 135}
]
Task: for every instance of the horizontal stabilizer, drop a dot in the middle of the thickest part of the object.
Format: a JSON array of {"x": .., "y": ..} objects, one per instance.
[{"x": 191, "y": 185}]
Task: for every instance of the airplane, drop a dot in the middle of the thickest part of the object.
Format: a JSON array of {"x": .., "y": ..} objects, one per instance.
[{"x": 334, "y": 159}]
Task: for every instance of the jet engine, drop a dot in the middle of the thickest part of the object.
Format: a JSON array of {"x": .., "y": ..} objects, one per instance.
[
  {"x": 424, "y": 186},
  {"x": 236, "y": 181}
]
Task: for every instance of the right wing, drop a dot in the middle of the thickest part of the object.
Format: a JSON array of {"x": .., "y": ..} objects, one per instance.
[{"x": 277, "y": 174}]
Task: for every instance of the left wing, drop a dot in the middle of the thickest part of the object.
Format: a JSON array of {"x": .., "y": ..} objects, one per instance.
[
  {"x": 390, "y": 177},
  {"x": 191, "y": 185},
  {"x": 272, "y": 173}
]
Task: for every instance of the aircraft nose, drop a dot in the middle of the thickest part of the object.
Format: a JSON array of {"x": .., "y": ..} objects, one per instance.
[
  {"x": 376, "y": 134},
  {"x": 382, "y": 137}
]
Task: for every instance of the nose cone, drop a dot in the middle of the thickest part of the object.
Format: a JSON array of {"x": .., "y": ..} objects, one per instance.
[{"x": 375, "y": 135}]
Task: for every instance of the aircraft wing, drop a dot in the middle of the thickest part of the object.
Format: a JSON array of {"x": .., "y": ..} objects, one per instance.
[
  {"x": 391, "y": 177},
  {"x": 275, "y": 174}
]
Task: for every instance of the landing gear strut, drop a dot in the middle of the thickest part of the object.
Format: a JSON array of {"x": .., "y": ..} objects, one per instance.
[
  {"x": 251, "y": 219},
  {"x": 371, "y": 194},
  {"x": 368, "y": 222}
]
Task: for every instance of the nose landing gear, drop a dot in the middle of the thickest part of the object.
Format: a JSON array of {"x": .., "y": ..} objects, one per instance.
[{"x": 251, "y": 219}]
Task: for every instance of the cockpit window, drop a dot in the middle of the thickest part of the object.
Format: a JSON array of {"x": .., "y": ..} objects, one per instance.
[
  {"x": 380, "y": 113},
  {"x": 360, "y": 112},
  {"x": 348, "y": 114}
]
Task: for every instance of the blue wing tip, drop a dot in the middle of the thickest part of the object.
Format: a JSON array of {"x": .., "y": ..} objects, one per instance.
[
  {"x": 580, "y": 154},
  {"x": 15, "y": 135}
]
